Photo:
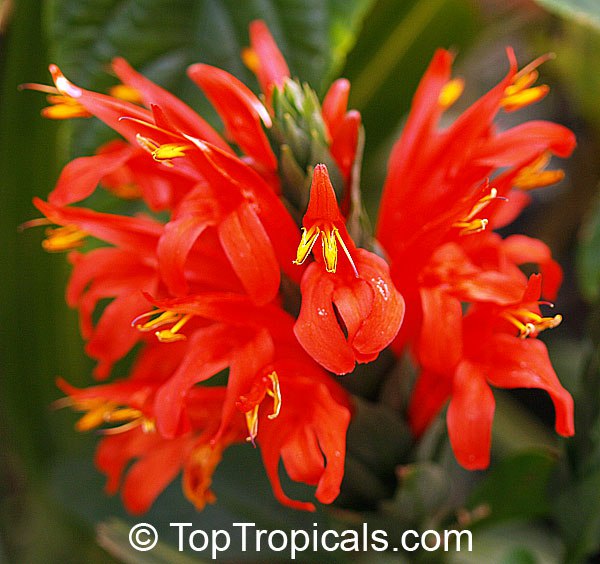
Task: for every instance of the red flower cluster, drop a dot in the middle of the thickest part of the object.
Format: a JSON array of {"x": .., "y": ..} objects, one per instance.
[
  {"x": 213, "y": 290},
  {"x": 472, "y": 316}
]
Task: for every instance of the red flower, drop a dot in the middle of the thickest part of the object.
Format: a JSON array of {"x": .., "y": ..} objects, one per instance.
[
  {"x": 219, "y": 270},
  {"x": 158, "y": 460},
  {"x": 461, "y": 357},
  {"x": 358, "y": 285},
  {"x": 440, "y": 172},
  {"x": 309, "y": 434},
  {"x": 437, "y": 203},
  {"x": 119, "y": 272}
]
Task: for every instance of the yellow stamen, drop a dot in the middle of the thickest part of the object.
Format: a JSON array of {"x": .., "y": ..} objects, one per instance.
[
  {"x": 170, "y": 151},
  {"x": 328, "y": 241},
  {"x": 330, "y": 237},
  {"x": 101, "y": 411},
  {"x": 63, "y": 238},
  {"x": 529, "y": 323},
  {"x": 163, "y": 153},
  {"x": 534, "y": 175},
  {"x": 470, "y": 224},
  {"x": 250, "y": 59},
  {"x": 524, "y": 98},
  {"x": 252, "y": 423},
  {"x": 171, "y": 335},
  {"x": 307, "y": 242},
  {"x": 521, "y": 92},
  {"x": 127, "y": 93},
  {"x": 470, "y": 227},
  {"x": 163, "y": 318},
  {"x": 252, "y": 415},
  {"x": 451, "y": 92},
  {"x": 64, "y": 107},
  {"x": 275, "y": 393}
]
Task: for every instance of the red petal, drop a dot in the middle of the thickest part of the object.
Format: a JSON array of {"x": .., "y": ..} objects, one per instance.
[
  {"x": 248, "y": 361},
  {"x": 237, "y": 182},
  {"x": 272, "y": 69},
  {"x": 174, "y": 246},
  {"x": 241, "y": 111},
  {"x": 317, "y": 328},
  {"x": 106, "y": 108},
  {"x": 271, "y": 455},
  {"x": 523, "y": 142},
  {"x": 113, "y": 336},
  {"x": 522, "y": 249},
  {"x": 322, "y": 206},
  {"x": 381, "y": 325},
  {"x": 423, "y": 117},
  {"x": 209, "y": 352},
  {"x": 440, "y": 343},
  {"x": 151, "y": 474},
  {"x": 137, "y": 233},
  {"x": 79, "y": 178},
  {"x": 470, "y": 416},
  {"x": 302, "y": 458},
  {"x": 251, "y": 253},
  {"x": 179, "y": 113},
  {"x": 335, "y": 104},
  {"x": 331, "y": 423},
  {"x": 344, "y": 142},
  {"x": 524, "y": 363}
]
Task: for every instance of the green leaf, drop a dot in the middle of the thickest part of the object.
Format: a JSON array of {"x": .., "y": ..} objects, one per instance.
[
  {"x": 586, "y": 12},
  {"x": 577, "y": 511},
  {"x": 244, "y": 495},
  {"x": 424, "y": 489},
  {"x": 161, "y": 38},
  {"x": 113, "y": 536},
  {"x": 516, "y": 487},
  {"x": 588, "y": 255},
  {"x": 517, "y": 542},
  {"x": 388, "y": 60}
]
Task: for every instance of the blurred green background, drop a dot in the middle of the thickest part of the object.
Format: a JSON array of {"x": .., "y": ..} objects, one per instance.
[{"x": 547, "y": 502}]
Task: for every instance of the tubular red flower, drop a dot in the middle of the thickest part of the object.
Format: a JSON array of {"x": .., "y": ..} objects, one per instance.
[
  {"x": 359, "y": 287},
  {"x": 475, "y": 352},
  {"x": 265, "y": 59}
]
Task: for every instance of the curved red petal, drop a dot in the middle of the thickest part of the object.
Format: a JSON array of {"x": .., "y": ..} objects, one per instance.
[
  {"x": 250, "y": 252},
  {"x": 106, "y": 108},
  {"x": 345, "y": 141},
  {"x": 335, "y": 104},
  {"x": 241, "y": 111},
  {"x": 178, "y": 112},
  {"x": 383, "y": 322},
  {"x": 524, "y": 363},
  {"x": 470, "y": 416},
  {"x": 317, "y": 328},
  {"x": 523, "y": 142},
  {"x": 79, "y": 178},
  {"x": 174, "y": 246},
  {"x": 272, "y": 69},
  {"x": 440, "y": 342},
  {"x": 137, "y": 233},
  {"x": 522, "y": 249}
]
